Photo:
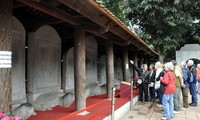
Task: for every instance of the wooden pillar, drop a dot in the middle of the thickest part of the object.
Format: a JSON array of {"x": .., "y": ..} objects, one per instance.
[
  {"x": 141, "y": 61},
  {"x": 109, "y": 68},
  {"x": 5, "y": 45},
  {"x": 126, "y": 64},
  {"x": 135, "y": 63},
  {"x": 79, "y": 68},
  {"x": 146, "y": 60}
]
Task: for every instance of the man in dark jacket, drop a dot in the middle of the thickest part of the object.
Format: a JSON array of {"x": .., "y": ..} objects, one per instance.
[
  {"x": 192, "y": 81},
  {"x": 143, "y": 87}
]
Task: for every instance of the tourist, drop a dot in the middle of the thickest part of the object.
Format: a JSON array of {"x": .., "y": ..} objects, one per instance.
[
  {"x": 192, "y": 81},
  {"x": 198, "y": 78},
  {"x": 143, "y": 87},
  {"x": 152, "y": 82},
  {"x": 185, "y": 89},
  {"x": 159, "y": 73},
  {"x": 179, "y": 83},
  {"x": 167, "y": 101}
]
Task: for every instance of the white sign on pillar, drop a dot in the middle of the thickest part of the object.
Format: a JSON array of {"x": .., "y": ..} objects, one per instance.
[
  {"x": 5, "y": 59},
  {"x": 127, "y": 66}
]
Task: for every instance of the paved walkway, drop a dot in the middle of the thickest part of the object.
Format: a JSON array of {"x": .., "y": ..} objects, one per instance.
[{"x": 149, "y": 111}]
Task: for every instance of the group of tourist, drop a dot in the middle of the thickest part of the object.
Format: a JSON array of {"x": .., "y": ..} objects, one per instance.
[{"x": 168, "y": 82}]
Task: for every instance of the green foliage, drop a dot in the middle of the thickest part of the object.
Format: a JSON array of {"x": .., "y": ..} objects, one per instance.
[
  {"x": 170, "y": 23},
  {"x": 165, "y": 24},
  {"x": 197, "y": 38},
  {"x": 119, "y": 8}
]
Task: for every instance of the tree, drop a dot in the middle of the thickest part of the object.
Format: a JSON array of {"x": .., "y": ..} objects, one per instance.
[
  {"x": 166, "y": 24},
  {"x": 119, "y": 8}
]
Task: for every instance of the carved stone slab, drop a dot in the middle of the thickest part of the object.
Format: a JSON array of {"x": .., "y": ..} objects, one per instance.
[
  {"x": 44, "y": 68},
  {"x": 68, "y": 70},
  {"x": 18, "y": 62}
]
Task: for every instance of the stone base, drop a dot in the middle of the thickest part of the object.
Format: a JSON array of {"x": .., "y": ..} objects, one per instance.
[
  {"x": 24, "y": 111},
  {"x": 17, "y": 103},
  {"x": 103, "y": 88},
  {"x": 45, "y": 101},
  {"x": 95, "y": 89},
  {"x": 67, "y": 99}
]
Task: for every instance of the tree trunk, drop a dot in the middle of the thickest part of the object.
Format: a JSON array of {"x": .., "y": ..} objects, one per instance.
[
  {"x": 5, "y": 45},
  {"x": 160, "y": 54}
]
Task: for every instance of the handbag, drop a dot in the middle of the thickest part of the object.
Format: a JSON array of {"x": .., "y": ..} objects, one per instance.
[
  {"x": 151, "y": 84},
  {"x": 157, "y": 85},
  {"x": 139, "y": 81}
]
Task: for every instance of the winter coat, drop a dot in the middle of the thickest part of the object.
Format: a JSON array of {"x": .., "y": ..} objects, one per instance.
[{"x": 169, "y": 81}]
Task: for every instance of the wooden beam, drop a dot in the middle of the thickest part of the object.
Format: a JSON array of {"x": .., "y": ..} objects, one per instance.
[
  {"x": 40, "y": 22},
  {"x": 135, "y": 43},
  {"x": 87, "y": 9},
  {"x": 92, "y": 27},
  {"x": 37, "y": 0},
  {"x": 18, "y": 5},
  {"x": 52, "y": 11},
  {"x": 98, "y": 34},
  {"x": 116, "y": 40},
  {"x": 132, "y": 49}
]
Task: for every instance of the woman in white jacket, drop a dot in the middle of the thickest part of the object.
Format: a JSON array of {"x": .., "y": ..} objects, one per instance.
[{"x": 159, "y": 73}]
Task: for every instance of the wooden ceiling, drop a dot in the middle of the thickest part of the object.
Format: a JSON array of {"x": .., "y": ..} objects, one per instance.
[{"x": 64, "y": 15}]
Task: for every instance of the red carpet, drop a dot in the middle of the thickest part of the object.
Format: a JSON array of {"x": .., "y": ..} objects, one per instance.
[{"x": 98, "y": 112}]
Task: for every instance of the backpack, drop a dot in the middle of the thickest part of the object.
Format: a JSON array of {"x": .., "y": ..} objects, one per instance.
[
  {"x": 187, "y": 75},
  {"x": 190, "y": 76}
]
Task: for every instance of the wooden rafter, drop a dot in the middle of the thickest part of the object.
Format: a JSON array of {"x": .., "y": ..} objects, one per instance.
[{"x": 52, "y": 11}]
